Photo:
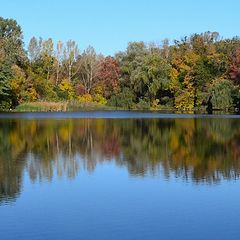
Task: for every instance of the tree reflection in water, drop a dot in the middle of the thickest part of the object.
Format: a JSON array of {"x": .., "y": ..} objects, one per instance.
[{"x": 198, "y": 150}]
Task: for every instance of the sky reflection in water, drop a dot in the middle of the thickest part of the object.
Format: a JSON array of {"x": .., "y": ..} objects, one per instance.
[{"x": 119, "y": 178}]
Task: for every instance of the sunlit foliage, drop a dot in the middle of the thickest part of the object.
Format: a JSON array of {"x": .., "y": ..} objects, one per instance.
[{"x": 181, "y": 75}]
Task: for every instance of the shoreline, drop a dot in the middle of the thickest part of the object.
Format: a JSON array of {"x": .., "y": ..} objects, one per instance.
[{"x": 54, "y": 107}]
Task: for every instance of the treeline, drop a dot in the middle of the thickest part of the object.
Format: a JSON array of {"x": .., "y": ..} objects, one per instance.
[{"x": 181, "y": 75}]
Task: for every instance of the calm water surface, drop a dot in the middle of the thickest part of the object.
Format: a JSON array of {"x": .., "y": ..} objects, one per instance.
[{"x": 121, "y": 175}]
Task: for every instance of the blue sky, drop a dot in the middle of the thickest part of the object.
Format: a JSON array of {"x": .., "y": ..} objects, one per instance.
[{"x": 109, "y": 25}]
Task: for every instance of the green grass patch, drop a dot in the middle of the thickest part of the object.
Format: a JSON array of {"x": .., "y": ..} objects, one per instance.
[
  {"x": 42, "y": 107},
  {"x": 61, "y": 107}
]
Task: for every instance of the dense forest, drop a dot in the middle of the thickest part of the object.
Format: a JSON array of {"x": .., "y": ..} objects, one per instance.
[{"x": 171, "y": 75}]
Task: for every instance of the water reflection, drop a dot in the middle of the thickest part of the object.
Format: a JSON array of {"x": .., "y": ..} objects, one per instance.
[{"x": 199, "y": 150}]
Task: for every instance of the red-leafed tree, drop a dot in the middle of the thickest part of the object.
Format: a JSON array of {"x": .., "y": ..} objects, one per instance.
[
  {"x": 108, "y": 75},
  {"x": 234, "y": 71}
]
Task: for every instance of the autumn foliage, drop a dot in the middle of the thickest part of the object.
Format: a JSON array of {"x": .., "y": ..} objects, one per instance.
[
  {"x": 108, "y": 75},
  {"x": 145, "y": 76},
  {"x": 235, "y": 66}
]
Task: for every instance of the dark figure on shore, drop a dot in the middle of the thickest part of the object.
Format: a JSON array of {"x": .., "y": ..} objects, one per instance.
[{"x": 209, "y": 105}]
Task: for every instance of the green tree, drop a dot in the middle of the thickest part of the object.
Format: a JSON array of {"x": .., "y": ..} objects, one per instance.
[
  {"x": 11, "y": 52},
  {"x": 151, "y": 77},
  {"x": 11, "y": 42},
  {"x": 222, "y": 91}
]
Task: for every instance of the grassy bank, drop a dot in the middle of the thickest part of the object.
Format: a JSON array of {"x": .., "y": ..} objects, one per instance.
[
  {"x": 91, "y": 106},
  {"x": 59, "y": 107},
  {"x": 42, "y": 106}
]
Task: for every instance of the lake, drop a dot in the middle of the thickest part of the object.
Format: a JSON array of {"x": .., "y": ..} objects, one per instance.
[{"x": 119, "y": 175}]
